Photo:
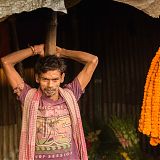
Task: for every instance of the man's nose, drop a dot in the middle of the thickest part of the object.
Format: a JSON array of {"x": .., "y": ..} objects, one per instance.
[{"x": 50, "y": 83}]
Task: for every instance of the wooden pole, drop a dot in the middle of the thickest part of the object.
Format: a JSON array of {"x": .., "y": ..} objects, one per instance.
[
  {"x": 15, "y": 43},
  {"x": 50, "y": 44}
]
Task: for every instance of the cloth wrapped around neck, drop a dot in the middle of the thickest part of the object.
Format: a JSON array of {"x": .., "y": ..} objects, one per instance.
[{"x": 28, "y": 132}]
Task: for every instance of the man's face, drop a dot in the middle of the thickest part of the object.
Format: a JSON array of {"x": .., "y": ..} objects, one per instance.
[{"x": 49, "y": 82}]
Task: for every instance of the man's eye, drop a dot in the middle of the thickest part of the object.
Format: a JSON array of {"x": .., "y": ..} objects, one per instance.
[{"x": 44, "y": 79}]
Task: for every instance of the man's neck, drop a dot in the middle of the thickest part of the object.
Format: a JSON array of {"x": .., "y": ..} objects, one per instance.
[{"x": 55, "y": 97}]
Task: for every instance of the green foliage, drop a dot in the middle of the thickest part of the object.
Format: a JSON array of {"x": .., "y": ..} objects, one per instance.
[
  {"x": 127, "y": 136},
  {"x": 118, "y": 140},
  {"x": 124, "y": 131}
]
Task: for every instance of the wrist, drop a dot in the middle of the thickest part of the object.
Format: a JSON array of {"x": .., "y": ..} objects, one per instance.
[
  {"x": 33, "y": 49},
  {"x": 37, "y": 49}
]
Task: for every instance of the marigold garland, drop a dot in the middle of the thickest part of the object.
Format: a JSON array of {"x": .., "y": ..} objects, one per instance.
[{"x": 149, "y": 122}]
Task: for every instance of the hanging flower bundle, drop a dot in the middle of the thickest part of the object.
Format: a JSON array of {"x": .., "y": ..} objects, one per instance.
[{"x": 149, "y": 123}]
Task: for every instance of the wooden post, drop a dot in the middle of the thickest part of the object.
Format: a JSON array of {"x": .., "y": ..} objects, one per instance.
[
  {"x": 15, "y": 43},
  {"x": 50, "y": 44}
]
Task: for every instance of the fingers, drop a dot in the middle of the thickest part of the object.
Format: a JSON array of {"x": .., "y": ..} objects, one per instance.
[
  {"x": 58, "y": 51},
  {"x": 39, "y": 49}
]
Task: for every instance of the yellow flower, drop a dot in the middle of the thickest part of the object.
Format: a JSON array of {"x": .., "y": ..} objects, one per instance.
[
  {"x": 93, "y": 136},
  {"x": 125, "y": 155}
]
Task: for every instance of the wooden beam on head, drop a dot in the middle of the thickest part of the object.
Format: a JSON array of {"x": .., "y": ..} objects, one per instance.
[{"x": 50, "y": 43}]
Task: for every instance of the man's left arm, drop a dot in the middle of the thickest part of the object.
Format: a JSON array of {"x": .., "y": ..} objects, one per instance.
[{"x": 90, "y": 62}]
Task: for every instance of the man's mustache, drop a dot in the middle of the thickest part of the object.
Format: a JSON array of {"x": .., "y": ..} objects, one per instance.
[{"x": 50, "y": 89}]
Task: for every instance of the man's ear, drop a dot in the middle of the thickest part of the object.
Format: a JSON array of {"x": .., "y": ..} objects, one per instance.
[
  {"x": 62, "y": 77},
  {"x": 37, "y": 78}
]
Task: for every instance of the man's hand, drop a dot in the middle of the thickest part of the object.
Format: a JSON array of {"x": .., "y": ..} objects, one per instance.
[
  {"x": 59, "y": 51},
  {"x": 39, "y": 49}
]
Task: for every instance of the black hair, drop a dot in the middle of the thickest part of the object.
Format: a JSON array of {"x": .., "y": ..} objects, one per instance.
[{"x": 48, "y": 63}]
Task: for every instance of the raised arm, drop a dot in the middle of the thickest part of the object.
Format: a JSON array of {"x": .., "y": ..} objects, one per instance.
[
  {"x": 90, "y": 61},
  {"x": 10, "y": 60}
]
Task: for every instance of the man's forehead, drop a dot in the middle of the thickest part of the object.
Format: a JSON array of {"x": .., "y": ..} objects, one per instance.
[{"x": 51, "y": 74}]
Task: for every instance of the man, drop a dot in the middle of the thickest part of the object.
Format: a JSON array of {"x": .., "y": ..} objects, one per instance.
[{"x": 51, "y": 123}]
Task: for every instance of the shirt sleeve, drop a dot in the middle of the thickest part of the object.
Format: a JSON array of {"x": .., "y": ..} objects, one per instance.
[
  {"x": 75, "y": 87},
  {"x": 23, "y": 93}
]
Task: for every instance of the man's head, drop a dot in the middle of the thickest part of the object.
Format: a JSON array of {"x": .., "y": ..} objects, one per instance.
[
  {"x": 50, "y": 72},
  {"x": 49, "y": 63}
]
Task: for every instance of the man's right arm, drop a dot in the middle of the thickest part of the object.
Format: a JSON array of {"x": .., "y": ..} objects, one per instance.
[{"x": 10, "y": 60}]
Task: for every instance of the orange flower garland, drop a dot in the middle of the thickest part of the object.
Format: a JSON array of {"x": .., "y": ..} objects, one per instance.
[{"x": 149, "y": 122}]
